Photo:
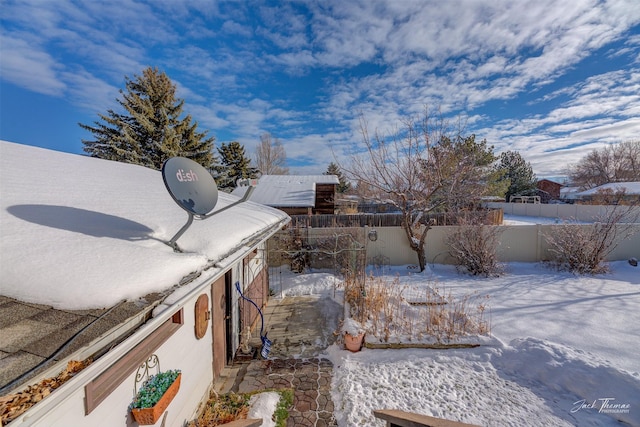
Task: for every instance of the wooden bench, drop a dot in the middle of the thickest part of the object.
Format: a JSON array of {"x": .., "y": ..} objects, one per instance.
[{"x": 395, "y": 418}]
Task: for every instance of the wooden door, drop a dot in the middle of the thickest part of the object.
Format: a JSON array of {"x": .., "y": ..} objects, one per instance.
[{"x": 218, "y": 323}]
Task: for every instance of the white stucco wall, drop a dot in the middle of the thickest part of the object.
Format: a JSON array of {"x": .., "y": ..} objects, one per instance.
[{"x": 518, "y": 243}]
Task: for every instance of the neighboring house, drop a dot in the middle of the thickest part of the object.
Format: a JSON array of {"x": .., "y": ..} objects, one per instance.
[
  {"x": 631, "y": 192},
  {"x": 86, "y": 275},
  {"x": 548, "y": 190},
  {"x": 295, "y": 194}
]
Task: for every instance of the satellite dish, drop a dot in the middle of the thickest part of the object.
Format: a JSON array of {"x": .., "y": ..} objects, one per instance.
[
  {"x": 191, "y": 185},
  {"x": 194, "y": 190}
]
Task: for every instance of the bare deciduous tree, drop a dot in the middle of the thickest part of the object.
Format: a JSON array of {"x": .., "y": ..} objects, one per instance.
[
  {"x": 271, "y": 158},
  {"x": 394, "y": 173},
  {"x": 423, "y": 167},
  {"x": 613, "y": 163}
]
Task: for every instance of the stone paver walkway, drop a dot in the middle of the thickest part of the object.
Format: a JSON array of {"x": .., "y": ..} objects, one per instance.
[
  {"x": 300, "y": 328},
  {"x": 309, "y": 378}
]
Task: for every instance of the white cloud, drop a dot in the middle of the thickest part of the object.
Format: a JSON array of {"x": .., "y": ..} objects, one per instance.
[
  {"x": 601, "y": 110},
  {"x": 29, "y": 66},
  {"x": 246, "y": 119},
  {"x": 232, "y": 27},
  {"x": 619, "y": 131},
  {"x": 312, "y": 153},
  {"x": 90, "y": 92},
  {"x": 283, "y": 27},
  {"x": 466, "y": 44},
  {"x": 208, "y": 117},
  {"x": 386, "y": 59}
]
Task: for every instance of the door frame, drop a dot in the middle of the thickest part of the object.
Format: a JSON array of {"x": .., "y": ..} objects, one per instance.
[{"x": 228, "y": 316}]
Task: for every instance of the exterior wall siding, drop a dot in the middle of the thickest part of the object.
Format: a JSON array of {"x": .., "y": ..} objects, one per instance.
[
  {"x": 325, "y": 199},
  {"x": 550, "y": 187},
  {"x": 256, "y": 287},
  {"x": 255, "y": 292}
]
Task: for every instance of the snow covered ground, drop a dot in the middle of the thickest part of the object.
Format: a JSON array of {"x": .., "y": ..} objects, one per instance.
[{"x": 565, "y": 351}]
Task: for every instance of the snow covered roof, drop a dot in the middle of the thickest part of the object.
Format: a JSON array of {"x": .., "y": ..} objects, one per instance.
[
  {"x": 287, "y": 190},
  {"x": 298, "y": 179},
  {"x": 79, "y": 232},
  {"x": 568, "y": 192},
  {"x": 630, "y": 188}
]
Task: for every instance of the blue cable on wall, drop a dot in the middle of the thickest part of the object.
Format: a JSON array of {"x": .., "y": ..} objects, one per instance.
[{"x": 266, "y": 343}]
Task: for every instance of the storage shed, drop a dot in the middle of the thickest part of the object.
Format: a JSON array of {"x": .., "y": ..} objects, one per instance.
[{"x": 295, "y": 194}]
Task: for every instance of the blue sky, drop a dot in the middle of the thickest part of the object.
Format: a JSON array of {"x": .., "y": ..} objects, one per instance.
[{"x": 549, "y": 79}]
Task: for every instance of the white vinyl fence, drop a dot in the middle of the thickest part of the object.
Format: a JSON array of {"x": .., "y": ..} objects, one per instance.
[{"x": 575, "y": 212}]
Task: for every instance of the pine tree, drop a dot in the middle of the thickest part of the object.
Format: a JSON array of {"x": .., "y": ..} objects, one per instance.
[
  {"x": 334, "y": 169},
  {"x": 234, "y": 165},
  {"x": 518, "y": 173},
  {"x": 151, "y": 130},
  {"x": 465, "y": 172}
]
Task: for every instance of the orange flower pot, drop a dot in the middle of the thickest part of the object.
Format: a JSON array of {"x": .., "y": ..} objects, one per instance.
[
  {"x": 150, "y": 416},
  {"x": 353, "y": 342}
]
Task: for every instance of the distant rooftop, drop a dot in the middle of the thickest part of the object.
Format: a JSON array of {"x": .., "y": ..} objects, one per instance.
[
  {"x": 630, "y": 188},
  {"x": 287, "y": 190},
  {"x": 298, "y": 179}
]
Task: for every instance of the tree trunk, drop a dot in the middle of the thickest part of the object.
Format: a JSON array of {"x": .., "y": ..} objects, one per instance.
[
  {"x": 417, "y": 244},
  {"x": 422, "y": 258}
]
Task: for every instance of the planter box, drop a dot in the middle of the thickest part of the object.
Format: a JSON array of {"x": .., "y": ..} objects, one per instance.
[{"x": 150, "y": 416}]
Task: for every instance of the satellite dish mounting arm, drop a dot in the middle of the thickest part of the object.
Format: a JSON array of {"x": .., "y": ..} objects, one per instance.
[
  {"x": 184, "y": 228},
  {"x": 244, "y": 198}
]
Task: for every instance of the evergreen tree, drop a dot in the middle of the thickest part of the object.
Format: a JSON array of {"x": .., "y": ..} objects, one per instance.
[
  {"x": 234, "y": 165},
  {"x": 344, "y": 185},
  {"x": 151, "y": 130},
  {"x": 518, "y": 173},
  {"x": 465, "y": 171}
]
